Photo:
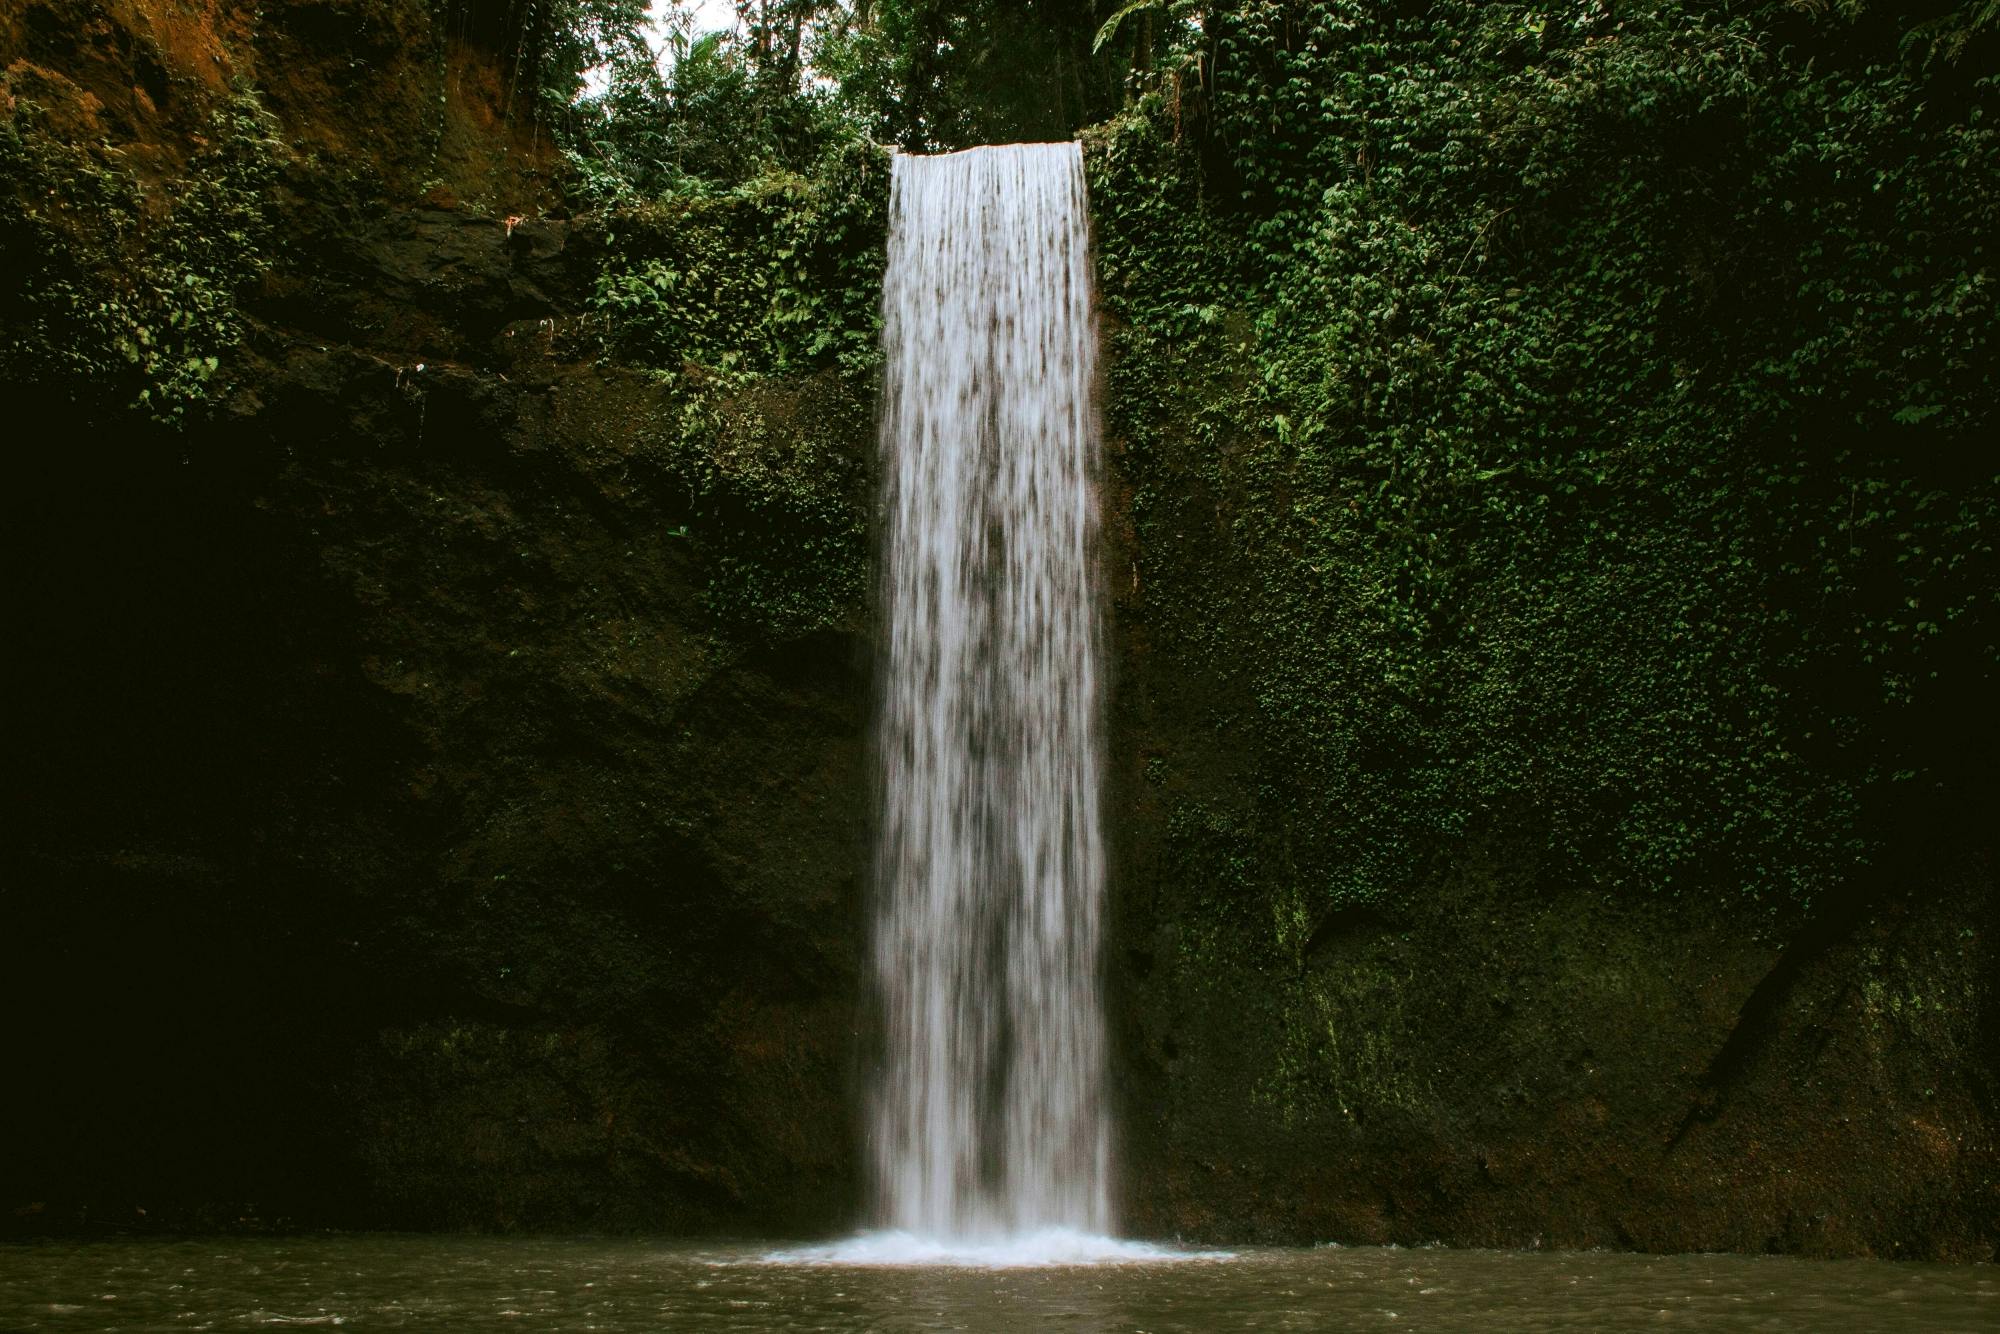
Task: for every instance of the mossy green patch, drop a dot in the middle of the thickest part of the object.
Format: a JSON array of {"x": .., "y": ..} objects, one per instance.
[
  {"x": 114, "y": 298},
  {"x": 1496, "y": 460},
  {"x": 1347, "y": 1049},
  {"x": 761, "y": 305}
]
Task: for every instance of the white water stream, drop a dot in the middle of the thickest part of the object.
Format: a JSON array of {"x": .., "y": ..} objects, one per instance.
[
  {"x": 988, "y": 1120},
  {"x": 989, "y": 1140},
  {"x": 989, "y": 1135}
]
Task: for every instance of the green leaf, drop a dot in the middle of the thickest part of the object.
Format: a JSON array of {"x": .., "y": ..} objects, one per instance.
[{"x": 1110, "y": 28}]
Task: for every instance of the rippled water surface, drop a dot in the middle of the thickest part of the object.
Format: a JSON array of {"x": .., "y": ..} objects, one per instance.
[{"x": 391, "y": 1282}]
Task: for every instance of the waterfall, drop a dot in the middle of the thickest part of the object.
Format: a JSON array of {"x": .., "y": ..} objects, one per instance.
[{"x": 988, "y": 1114}]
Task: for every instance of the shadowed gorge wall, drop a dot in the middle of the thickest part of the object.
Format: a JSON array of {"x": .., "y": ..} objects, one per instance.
[
  {"x": 1556, "y": 595},
  {"x": 440, "y": 764},
  {"x": 1552, "y": 585}
]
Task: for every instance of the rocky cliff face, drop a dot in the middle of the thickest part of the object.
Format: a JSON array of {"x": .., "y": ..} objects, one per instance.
[
  {"x": 405, "y": 838},
  {"x": 1511, "y": 1060},
  {"x": 440, "y": 806},
  {"x": 1498, "y": 863},
  {"x": 1501, "y": 1053}
]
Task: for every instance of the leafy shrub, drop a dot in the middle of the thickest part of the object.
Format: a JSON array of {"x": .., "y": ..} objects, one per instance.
[
  {"x": 1585, "y": 411},
  {"x": 760, "y": 303},
  {"x": 115, "y": 302}
]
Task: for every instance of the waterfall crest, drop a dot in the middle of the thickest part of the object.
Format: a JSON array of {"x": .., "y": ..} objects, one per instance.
[{"x": 988, "y": 1115}]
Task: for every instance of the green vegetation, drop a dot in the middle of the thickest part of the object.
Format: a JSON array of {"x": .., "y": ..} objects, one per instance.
[
  {"x": 117, "y": 297},
  {"x": 1583, "y": 410},
  {"x": 743, "y": 237},
  {"x": 1588, "y": 415},
  {"x": 924, "y": 74},
  {"x": 742, "y": 196},
  {"x": 716, "y": 118}
]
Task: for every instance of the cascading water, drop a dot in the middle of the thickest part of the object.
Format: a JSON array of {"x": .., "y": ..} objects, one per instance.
[
  {"x": 988, "y": 1118},
  {"x": 989, "y": 1133}
]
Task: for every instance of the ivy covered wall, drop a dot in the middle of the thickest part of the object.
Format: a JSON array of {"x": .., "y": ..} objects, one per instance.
[
  {"x": 1558, "y": 599},
  {"x": 1591, "y": 418}
]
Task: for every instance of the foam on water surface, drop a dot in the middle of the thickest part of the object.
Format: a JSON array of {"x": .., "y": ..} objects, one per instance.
[{"x": 1046, "y": 1248}]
